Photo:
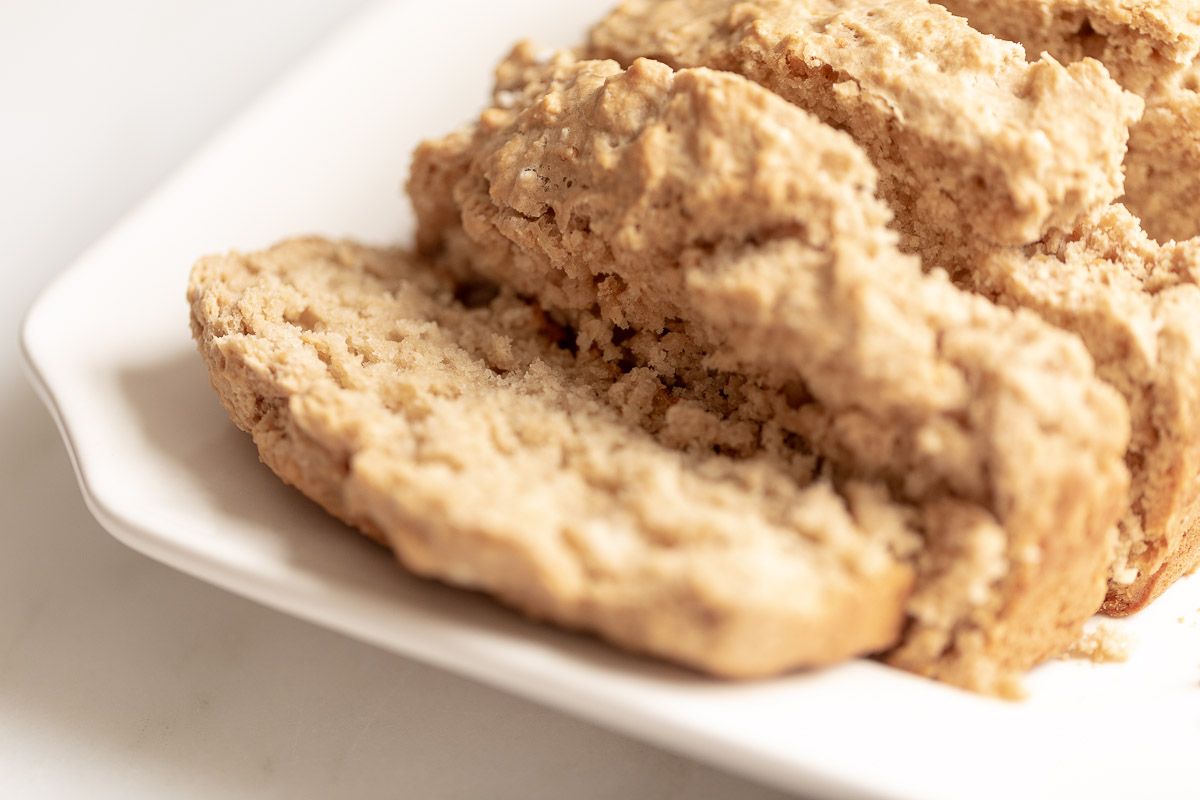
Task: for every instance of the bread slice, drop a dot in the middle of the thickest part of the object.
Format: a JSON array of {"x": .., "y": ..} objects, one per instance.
[
  {"x": 1142, "y": 330},
  {"x": 446, "y": 420},
  {"x": 969, "y": 139},
  {"x": 726, "y": 252},
  {"x": 1151, "y": 48}
]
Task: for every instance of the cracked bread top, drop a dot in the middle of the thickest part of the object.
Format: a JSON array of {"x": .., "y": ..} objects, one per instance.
[
  {"x": 1150, "y": 47},
  {"x": 999, "y": 147},
  {"x": 1142, "y": 42}
]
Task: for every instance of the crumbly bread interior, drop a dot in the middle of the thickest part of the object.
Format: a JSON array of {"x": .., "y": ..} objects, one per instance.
[
  {"x": 606, "y": 194},
  {"x": 1136, "y": 304},
  {"x": 1162, "y": 168},
  {"x": 451, "y": 421}
]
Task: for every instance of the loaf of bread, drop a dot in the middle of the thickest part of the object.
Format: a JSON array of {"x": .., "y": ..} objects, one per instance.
[
  {"x": 758, "y": 336},
  {"x": 700, "y": 229}
]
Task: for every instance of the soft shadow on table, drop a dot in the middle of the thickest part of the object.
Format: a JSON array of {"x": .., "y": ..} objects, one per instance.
[
  {"x": 122, "y": 660},
  {"x": 174, "y": 393},
  {"x": 169, "y": 394}
]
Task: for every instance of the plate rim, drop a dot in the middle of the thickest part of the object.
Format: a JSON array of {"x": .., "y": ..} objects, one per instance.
[{"x": 790, "y": 776}]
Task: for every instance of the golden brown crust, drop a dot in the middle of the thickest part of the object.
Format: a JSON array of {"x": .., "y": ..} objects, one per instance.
[
  {"x": 969, "y": 139},
  {"x": 1183, "y": 561},
  {"x": 607, "y": 195},
  {"x": 490, "y": 458}
]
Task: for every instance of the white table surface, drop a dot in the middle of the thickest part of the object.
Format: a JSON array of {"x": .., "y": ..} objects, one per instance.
[{"x": 119, "y": 677}]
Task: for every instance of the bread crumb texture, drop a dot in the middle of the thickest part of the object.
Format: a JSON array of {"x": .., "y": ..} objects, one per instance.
[{"x": 450, "y": 420}]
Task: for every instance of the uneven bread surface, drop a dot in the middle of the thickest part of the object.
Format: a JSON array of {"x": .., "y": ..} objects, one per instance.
[
  {"x": 969, "y": 139},
  {"x": 693, "y": 224},
  {"x": 1151, "y": 47},
  {"x": 1137, "y": 306},
  {"x": 1141, "y": 42},
  {"x": 1162, "y": 169},
  {"x": 1142, "y": 338},
  {"x": 491, "y": 458}
]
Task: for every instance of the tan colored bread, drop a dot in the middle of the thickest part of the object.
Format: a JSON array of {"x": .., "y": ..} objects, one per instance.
[
  {"x": 969, "y": 139},
  {"x": 1162, "y": 169},
  {"x": 1095, "y": 280},
  {"x": 491, "y": 458},
  {"x": 1137, "y": 306},
  {"x": 1140, "y": 41},
  {"x": 725, "y": 250},
  {"x": 1150, "y": 46}
]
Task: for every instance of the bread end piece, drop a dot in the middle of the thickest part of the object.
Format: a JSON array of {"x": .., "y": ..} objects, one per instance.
[{"x": 480, "y": 452}]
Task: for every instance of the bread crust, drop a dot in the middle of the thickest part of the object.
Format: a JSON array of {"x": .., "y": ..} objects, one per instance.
[{"x": 1141, "y": 43}]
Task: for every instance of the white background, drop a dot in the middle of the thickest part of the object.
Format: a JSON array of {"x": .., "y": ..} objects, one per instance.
[{"x": 119, "y": 677}]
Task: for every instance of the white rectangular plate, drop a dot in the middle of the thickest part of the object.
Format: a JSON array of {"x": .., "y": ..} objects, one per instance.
[{"x": 163, "y": 469}]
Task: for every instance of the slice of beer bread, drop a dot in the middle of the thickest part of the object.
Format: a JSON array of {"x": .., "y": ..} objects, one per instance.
[{"x": 699, "y": 232}]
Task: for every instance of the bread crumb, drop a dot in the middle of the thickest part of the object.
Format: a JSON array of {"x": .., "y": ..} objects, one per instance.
[{"x": 1101, "y": 645}]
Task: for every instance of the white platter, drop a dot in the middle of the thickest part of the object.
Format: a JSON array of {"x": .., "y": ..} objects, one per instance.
[{"x": 163, "y": 470}]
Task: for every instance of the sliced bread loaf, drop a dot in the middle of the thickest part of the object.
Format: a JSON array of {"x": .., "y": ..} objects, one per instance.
[
  {"x": 446, "y": 419},
  {"x": 725, "y": 251}
]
